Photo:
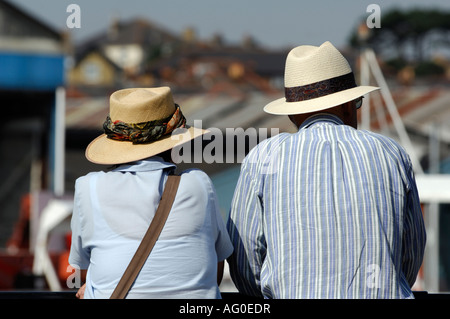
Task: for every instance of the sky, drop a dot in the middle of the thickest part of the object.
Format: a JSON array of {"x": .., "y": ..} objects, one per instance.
[{"x": 273, "y": 24}]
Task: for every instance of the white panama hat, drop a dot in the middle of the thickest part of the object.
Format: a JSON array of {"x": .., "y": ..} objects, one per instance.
[{"x": 315, "y": 79}]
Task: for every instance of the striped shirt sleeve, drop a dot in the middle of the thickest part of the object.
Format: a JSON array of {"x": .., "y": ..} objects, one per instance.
[
  {"x": 246, "y": 236},
  {"x": 414, "y": 233}
]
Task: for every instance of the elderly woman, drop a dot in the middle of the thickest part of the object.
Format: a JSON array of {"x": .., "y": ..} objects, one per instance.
[{"x": 113, "y": 210}]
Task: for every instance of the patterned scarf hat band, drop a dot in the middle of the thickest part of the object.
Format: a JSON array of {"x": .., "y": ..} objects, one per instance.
[
  {"x": 145, "y": 132},
  {"x": 140, "y": 125}
]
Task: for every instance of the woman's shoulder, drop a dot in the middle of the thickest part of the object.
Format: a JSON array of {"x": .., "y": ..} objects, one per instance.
[
  {"x": 87, "y": 176},
  {"x": 84, "y": 180},
  {"x": 195, "y": 175},
  {"x": 196, "y": 180}
]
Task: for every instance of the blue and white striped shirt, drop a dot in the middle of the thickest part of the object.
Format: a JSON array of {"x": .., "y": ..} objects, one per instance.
[{"x": 328, "y": 212}]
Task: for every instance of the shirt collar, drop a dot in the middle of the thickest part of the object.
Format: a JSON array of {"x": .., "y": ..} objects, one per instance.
[
  {"x": 149, "y": 164},
  {"x": 321, "y": 117}
]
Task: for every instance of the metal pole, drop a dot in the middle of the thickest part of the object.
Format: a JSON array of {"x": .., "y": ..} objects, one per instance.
[
  {"x": 381, "y": 117},
  {"x": 431, "y": 267},
  {"x": 365, "y": 80},
  {"x": 376, "y": 71},
  {"x": 59, "y": 140}
]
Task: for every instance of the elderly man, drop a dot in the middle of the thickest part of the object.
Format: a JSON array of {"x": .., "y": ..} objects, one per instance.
[{"x": 329, "y": 211}]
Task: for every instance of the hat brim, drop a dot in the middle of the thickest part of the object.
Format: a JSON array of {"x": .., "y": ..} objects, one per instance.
[
  {"x": 103, "y": 150},
  {"x": 281, "y": 107}
]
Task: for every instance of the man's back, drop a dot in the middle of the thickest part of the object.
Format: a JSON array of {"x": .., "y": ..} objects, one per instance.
[{"x": 332, "y": 212}]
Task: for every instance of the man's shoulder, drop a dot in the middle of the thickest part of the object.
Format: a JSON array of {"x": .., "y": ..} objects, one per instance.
[
  {"x": 268, "y": 145},
  {"x": 384, "y": 140},
  {"x": 390, "y": 146},
  {"x": 264, "y": 157}
]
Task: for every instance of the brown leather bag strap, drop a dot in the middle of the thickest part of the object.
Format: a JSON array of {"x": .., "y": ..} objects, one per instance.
[{"x": 150, "y": 238}]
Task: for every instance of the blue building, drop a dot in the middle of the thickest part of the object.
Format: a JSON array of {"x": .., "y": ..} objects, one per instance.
[{"x": 32, "y": 59}]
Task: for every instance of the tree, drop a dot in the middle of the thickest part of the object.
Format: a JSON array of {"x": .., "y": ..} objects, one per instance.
[{"x": 409, "y": 34}]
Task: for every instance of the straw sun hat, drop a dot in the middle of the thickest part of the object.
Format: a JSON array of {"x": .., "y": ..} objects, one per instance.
[
  {"x": 142, "y": 122},
  {"x": 316, "y": 78}
]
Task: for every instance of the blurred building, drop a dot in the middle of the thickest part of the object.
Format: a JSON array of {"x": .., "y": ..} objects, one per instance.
[
  {"x": 32, "y": 68},
  {"x": 94, "y": 68},
  {"x": 118, "y": 56}
]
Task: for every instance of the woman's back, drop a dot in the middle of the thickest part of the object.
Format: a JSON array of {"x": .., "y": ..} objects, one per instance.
[{"x": 113, "y": 211}]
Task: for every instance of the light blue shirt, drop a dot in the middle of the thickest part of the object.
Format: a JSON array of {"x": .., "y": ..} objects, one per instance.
[
  {"x": 112, "y": 211},
  {"x": 327, "y": 212}
]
